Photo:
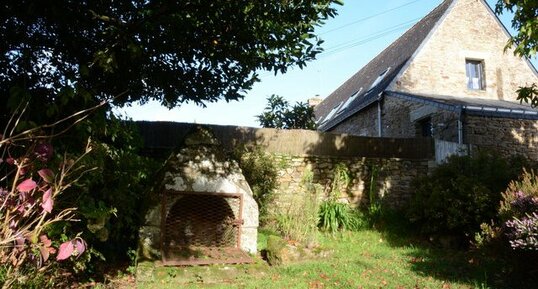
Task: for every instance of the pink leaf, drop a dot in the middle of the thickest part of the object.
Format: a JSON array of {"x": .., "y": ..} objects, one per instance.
[
  {"x": 44, "y": 253},
  {"x": 47, "y": 201},
  {"x": 65, "y": 251},
  {"x": 46, "y": 249},
  {"x": 19, "y": 241},
  {"x": 80, "y": 246},
  {"x": 45, "y": 240},
  {"x": 26, "y": 186},
  {"x": 47, "y": 175}
]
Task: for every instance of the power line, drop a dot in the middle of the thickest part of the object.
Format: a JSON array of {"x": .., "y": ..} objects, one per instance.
[
  {"x": 357, "y": 42},
  {"x": 369, "y": 38},
  {"x": 353, "y": 43},
  {"x": 368, "y": 17}
]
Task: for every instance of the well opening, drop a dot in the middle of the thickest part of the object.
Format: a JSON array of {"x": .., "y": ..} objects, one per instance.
[
  {"x": 207, "y": 212},
  {"x": 202, "y": 228}
]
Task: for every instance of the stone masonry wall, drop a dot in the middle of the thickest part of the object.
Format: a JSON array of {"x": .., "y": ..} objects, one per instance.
[
  {"x": 299, "y": 152},
  {"x": 506, "y": 136},
  {"x": 470, "y": 31},
  {"x": 400, "y": 120},
  {"x": 393, "y": 182},
  {"x": 363, "y": 123}
]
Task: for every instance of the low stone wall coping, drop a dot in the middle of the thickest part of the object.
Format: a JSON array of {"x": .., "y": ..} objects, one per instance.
[{"x": 169, "y": 135}]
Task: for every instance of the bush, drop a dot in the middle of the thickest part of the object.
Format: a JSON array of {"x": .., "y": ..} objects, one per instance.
[
  {"x": 513, "y": 235},
  {"x": 260, "y": 172},
  {"x": 523, "y": 233},
  {"x": 33, "y": 181},
  {"x": 518, "y": 216},
  {"x": 461, "y": 194},
  {"x": 113, "y": 199}
]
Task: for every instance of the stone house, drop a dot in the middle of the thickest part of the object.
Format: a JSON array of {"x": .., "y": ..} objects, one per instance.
[{"x": 448, "y": 77}]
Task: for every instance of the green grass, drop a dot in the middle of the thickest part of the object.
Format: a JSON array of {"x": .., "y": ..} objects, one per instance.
[{"x": 365, "y": 259}]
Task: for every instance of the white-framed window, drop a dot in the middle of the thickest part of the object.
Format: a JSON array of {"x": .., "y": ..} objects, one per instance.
[{"x": 476, "y": 79}]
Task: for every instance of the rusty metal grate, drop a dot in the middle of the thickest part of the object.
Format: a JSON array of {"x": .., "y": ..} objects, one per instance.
[{"x": 202, "y": 228}]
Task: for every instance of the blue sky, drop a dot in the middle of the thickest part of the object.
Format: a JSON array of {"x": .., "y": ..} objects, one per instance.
[{"x": 358, "y": 33}]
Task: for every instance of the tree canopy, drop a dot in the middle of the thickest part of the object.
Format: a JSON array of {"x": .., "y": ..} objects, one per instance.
[
  {"x": 525, "y": 42},
  {"x": 59, "y": 57},
  {"x": 168, "y": 51},
  {"x": 280, "y": 114}
]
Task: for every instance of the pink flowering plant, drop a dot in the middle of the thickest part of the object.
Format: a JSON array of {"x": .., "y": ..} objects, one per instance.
[
  {"x": 520, "y": 211},
  {"x": 518, "y": 216},
  {"x": 32, "y": 178}
]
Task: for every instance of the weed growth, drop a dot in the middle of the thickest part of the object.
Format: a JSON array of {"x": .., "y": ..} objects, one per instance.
[
  {"x": 261, "y": 174},
  {"x": 335, "y": 215},
  {"x": 298, "y": 221}
]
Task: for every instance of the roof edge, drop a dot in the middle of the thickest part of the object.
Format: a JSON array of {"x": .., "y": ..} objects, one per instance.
[
  {"x": 507, "y": 33},
  {"x": 421, "y": 46},
  {"x": 478, "y": 110}
]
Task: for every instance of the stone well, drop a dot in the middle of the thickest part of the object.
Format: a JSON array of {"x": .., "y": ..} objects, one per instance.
[{"x": 205, "y": 201}]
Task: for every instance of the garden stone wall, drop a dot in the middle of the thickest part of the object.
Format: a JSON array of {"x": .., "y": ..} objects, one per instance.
[
  {"x": 299, "y": 153},
  {"x": 392, "y": 183}
]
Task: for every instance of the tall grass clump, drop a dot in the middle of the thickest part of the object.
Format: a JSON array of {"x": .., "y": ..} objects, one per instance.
[
  {"x": 335, "y": 215},
  {"x": 299, "y": 218}
]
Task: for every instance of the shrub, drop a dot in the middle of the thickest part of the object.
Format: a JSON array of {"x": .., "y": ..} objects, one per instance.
[
  {"x": 111, "y": 200},
  {"x": 513, "y": 235},
  {"x": 260, "y": 172},
  {"x": 518, "y": 215},
  {"x": 523, "y": 233},
  {"x": 461, "y": 194},
  {"x": 520, "y": 197},
  {"x": 32, "y": 181}
]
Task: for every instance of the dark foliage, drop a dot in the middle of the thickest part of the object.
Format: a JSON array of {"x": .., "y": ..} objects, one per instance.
[
  {"x": 461, "y": 194},
  {"x": 169, "y": 51},
  {"x": 280, "y": 114},
  {"x": 60, "y": 57}
]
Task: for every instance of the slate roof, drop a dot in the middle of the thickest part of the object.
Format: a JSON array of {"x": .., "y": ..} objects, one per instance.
[{"x": 394, "y": 57}]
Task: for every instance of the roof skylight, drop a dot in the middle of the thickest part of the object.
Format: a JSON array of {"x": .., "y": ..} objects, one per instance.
[
  {"x": 333, "y": 111},
  {"x": 349, "y": 101},
  {"x": 379, "y": 79}
]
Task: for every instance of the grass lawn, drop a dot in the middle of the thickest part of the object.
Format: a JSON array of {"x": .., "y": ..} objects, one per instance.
[{"x": 365, "y": 259}]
